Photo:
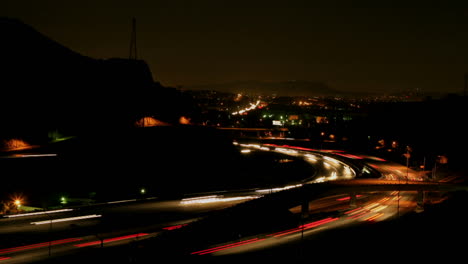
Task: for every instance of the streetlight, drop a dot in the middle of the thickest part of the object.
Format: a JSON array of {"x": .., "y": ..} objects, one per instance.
[{"x": 17, "y": 203}]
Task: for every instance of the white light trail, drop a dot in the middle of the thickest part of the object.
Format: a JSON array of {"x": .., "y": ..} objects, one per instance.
[
  {"x": 65, "y": 219},
  {"x": 286, "y": 151},
  {"x": 251, "y": 107},
  {"x": 122, "y": 201},
  {"x": 36, "y": 155},
  {"x": 332, "y": 160},
  {"x": 214, "y": 199},
  {"x": 39, "y": 213},
  {"x": 278, "y": 189}
]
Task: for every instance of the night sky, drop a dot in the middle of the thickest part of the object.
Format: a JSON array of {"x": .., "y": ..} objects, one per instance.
[{"x": 363, "y": 46}]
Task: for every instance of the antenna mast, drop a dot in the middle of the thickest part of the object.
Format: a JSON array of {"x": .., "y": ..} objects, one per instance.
[{"x": 133, "y": 47}]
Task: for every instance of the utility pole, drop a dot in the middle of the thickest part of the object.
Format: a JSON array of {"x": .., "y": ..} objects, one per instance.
[
  {"x": 407, "y": 155},
  {"x": 133, "y": 46}
]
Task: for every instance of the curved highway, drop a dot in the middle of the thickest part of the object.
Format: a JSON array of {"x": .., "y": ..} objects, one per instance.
[{"x": 76, "y": 231}]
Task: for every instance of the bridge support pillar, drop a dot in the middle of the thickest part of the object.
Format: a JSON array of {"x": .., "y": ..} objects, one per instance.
[
  {"x": 305, "y": 209},
  {"x": 420, "y": 201}
]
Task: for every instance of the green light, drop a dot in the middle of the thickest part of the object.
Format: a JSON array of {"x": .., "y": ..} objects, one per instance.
[
  {"x": 63, "y": 200},
  {"x": 142, "y": 191}
]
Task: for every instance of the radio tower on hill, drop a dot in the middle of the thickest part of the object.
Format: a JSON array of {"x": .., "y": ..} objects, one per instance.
[{"x": 133, "y": 46}]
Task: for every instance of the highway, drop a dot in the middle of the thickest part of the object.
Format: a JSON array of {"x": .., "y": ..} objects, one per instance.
[
  {"x": 41, "y": 234},
  {"x": 257, "y": 220}
]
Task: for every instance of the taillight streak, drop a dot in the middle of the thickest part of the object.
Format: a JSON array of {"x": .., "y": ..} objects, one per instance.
[
  {"x": 304, "y": 227},
  {"x": 358, "y": 215},
  {"x": 174, "y": 227},
  {"x": 347, "y": 198},
  {"x": 215, "y": 249},
  {"x": 38, "y": 245},
  {"x": 97, "y": 242},
  {"x": 353, "y": 211},
  {"x": 373, "y": 217}
]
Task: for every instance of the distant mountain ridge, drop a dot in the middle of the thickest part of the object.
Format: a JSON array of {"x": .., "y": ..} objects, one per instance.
[{"x": 279, "y": 88}]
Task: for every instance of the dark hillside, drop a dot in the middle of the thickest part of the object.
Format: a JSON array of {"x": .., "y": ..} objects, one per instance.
[{"x": 45, "y": 87}]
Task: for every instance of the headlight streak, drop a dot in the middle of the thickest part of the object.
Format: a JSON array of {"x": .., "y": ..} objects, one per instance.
[
  {"x": 287, "y": 151},
  {"x": 384, "y": 199},
  {"x": 357, "y": 214},
  {"x": 379, "y": 208},
  {"x": 34, "y": 155},
  {"x": 332, "y": 160},
  {"x": 371, "y": 206},
  {"x": 65, "y": 219},
  {"x": 122, "y": 201},
  {"x": 39, "y": 213},
  {"x": 319, "y": 179},
  {"x": 214, "y": 199},
  {"x": 347, "y": 172},
  {"x": 311, "y": 158},
  {"x": 373, "y": 217},
  {"x": 278, "y": 189},
  {"x": 251, "y": 107}
]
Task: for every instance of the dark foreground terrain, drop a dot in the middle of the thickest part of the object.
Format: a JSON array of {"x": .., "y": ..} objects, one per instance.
[{"x": 437, "y": 233}]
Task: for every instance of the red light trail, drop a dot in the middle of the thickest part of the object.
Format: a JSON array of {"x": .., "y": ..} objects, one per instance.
[
  {"x": 304, "y": 227},
  {"x": 39, "y": 245},
  {"x": 97, "y": 242},
  {"x": 232, "y": 245}
]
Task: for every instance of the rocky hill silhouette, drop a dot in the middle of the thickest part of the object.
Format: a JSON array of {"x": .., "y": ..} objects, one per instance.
[{"x": 45, "y": 87}]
